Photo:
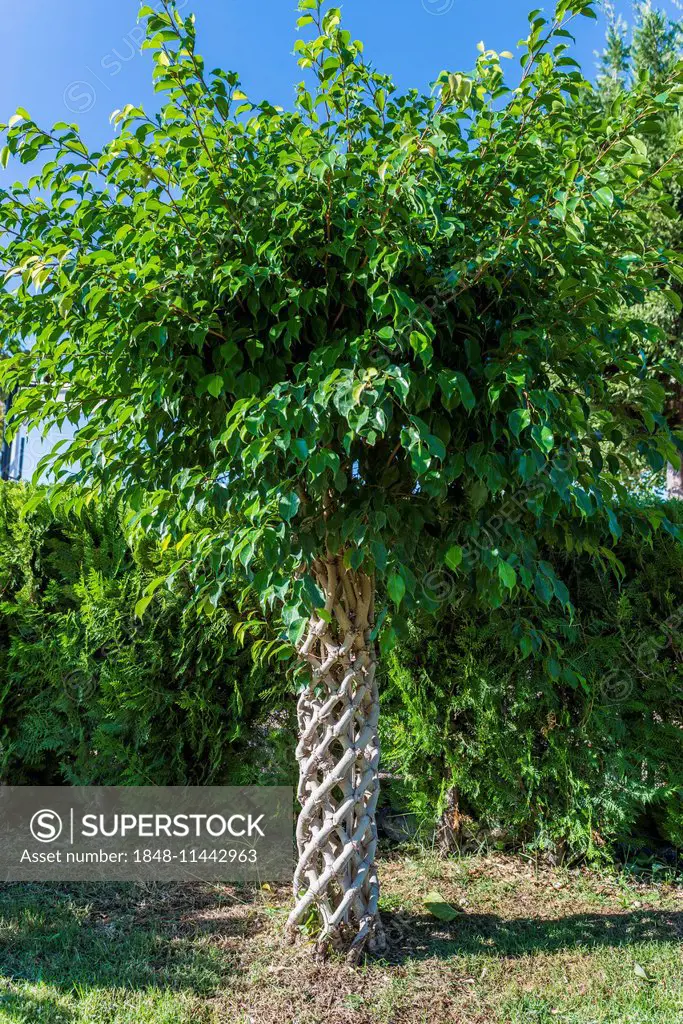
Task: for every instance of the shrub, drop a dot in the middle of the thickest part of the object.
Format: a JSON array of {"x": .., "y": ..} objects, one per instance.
[
  {"x": 577, "y": 744},
  {"x": 582, "y": 745},
  {"x": 92, "y": 695}
]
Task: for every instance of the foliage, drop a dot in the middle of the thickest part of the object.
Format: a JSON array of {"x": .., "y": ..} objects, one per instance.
[
  {"x": 582, "y": 748},
  {"x": 89, "y": 695},
  {"x": 354, "y": 326},
  {"x": 639, "y": 60}
]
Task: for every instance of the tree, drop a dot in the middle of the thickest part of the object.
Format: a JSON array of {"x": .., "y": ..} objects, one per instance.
[
  {"x": 348, "y": 335},
  {"x": 641, "y": 61}
]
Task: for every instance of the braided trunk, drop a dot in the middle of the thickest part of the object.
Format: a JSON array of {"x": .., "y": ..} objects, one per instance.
[{"x": 338, "y": 755}]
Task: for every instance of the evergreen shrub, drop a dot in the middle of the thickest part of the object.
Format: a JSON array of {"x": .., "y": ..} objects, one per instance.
[
  {"x": 92, "y": 694},
  {"x": 580, "y": 746}
]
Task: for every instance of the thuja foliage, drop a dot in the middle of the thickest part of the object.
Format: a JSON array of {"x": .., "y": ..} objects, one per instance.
[
  {"x": 578, "y": 750},
  {"x": 639, "y": 57},
  {"x": 89, "y": 695}
]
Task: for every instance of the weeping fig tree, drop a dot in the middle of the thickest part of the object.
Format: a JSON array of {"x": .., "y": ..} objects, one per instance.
[{"x": 326, "y": 348}]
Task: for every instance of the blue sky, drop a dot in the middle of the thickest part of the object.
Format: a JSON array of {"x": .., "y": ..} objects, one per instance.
[{"x": 78, "y": 60}]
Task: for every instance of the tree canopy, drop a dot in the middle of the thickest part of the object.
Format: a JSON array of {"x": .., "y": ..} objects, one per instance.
[
  {"x": 370, "y": 325},
  {"x": 639, "y": 58}
]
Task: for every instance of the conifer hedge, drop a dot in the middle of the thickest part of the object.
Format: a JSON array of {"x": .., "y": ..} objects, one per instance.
[
  {"x": 578, "y": 745},
  {"x": 91, "y": 694}
]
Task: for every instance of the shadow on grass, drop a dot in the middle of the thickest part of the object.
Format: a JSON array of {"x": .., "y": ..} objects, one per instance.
[
  {"x": 416, "y": 937},
  {"x": 193, "y": 939}
]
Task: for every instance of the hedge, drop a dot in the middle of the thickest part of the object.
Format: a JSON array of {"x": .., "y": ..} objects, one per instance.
[
  {"x": 92, "y": 695},
  {"x": 578, "y": 747},
  {"x": 581, "y": 747}
]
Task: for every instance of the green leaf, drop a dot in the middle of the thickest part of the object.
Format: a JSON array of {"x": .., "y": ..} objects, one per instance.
[
  {"x": 561, "y": 593},
  {"x": 674, "y": 299},
  {"x": 439, "y": 907},
  {"x": 300, "y": 447},
  {"x": 380, "y": 555},
  {"x": 543, "y": 588},
  {"x": 518, "y": 420},
  {"x": 544, "y": 438},
  {"x": 387, "y": 641},
  {"x": 148, "y": 596},
  {"x": 142, "y": 604},
  {"x": 547, "y": 439},
  {"x": 211, "y": 383},
  {"x": 289, "y": 506},
  {"x": 614, "y": 527},
  {"x": 605, "y": 196},
  {"x": 421, "y": 346},
  {"x": 466, "y": 393},
  {"x": 396, "y": 588},
  {"x": 124, "y": 230},
  {"x": 436, "y": 446},
  {"x": 453, "y": 557},
  {"x": 507, "y": 575}
]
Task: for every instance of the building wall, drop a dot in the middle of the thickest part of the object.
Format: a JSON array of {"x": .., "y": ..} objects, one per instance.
[{"x": 27, "y": 448}]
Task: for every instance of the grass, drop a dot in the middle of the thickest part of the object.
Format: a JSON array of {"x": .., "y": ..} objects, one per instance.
[{"x": 529, "y": 944}]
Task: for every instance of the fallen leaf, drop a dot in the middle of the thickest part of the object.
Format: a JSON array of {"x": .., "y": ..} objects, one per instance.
[
  {"x": 439, "y": 908},
  {"x": 640, "y": 972}
]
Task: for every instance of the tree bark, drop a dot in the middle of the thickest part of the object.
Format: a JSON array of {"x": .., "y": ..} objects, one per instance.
[
  {"x": 448, "y": 828},
  {"x": 674, "y": 481},
  {"x": 338, "y": 755}
]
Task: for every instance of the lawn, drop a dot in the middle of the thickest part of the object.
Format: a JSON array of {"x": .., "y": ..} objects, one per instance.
[{"x": 529, "y": 943}]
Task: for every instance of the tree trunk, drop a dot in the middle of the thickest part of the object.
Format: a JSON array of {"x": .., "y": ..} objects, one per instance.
[
  {"x": 338, "y": 755},
  {"x": 674, "y": 481},
  {"x": 448, "y": 828}
]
